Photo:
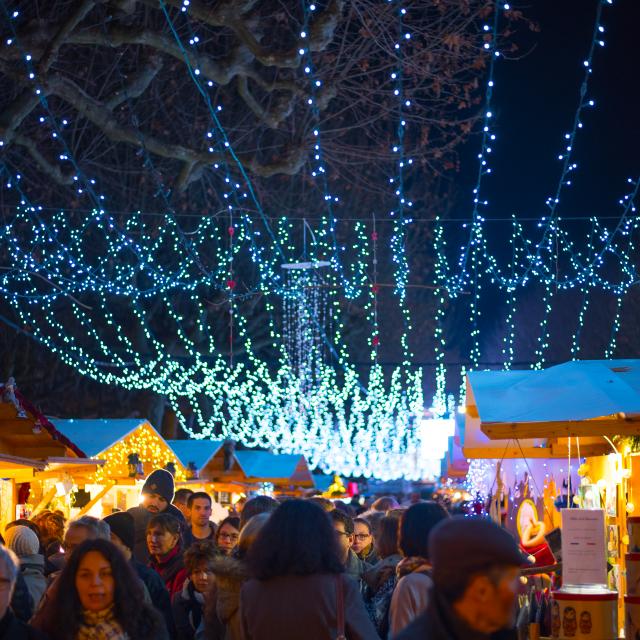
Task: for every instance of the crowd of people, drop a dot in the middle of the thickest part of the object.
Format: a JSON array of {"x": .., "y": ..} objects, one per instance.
[{"x": 289, "y": 569}]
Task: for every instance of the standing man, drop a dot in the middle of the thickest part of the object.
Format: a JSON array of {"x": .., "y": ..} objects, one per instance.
[
  {"x": 181, "y": 502},
  {"x": 476, "y": 580},
  {"x": 157, "y": 494},
  {"x": 201, "y": 528},
  {"x": 344, "y": 528}
]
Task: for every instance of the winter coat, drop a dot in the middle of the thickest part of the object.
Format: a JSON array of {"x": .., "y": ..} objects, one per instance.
[
  {"x": 13, "y": 629},
  {"x": 356, "y": 568},
  {"x": 231, "y": 573},
  {"x": 380, "y": 582},
  {"x": 158, "y": 593},
  {"x": 32, "y": 569},
  {"x": 439, "y": 622},
  {"x": 370, "y": 557},
  {"x": 411, "y": 595},
  {"x": 187, "y": 607},
  {"x": 170, "y": 568},
  {"x": 141, "y": 518},
  {"x": 21, "y": 601},
  {"x": 293, "y": 607}
]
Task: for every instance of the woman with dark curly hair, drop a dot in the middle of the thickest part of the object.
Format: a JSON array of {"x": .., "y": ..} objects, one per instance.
[
  {"x": 97, "y": 596},
  {"x": 298, "y": 587}
]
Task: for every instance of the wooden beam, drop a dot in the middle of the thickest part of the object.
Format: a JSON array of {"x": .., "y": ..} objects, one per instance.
[
  {"x": 566, "y": 429},
  {"x": 46, "y": 499},
  {"x": 103, "y": 492}
]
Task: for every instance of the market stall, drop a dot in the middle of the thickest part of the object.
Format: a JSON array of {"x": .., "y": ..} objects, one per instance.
[
  {"x": 211, "y": 467},
  {"x": 584, "y": 416},
  {"x": 130, "y": 449},
  {"x": 282, "y": 474}
]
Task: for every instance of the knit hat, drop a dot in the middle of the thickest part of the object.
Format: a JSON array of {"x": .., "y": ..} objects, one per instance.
[
  {"x": 122, "y": 525},
  {"x": 22, "y": 541},
  {"x": 462, "y": 546},
  {"x": 160, "y": 481}
]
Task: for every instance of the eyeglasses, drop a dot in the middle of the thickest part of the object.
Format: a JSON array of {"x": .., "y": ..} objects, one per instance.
[
  {"x": 362, "y": 536},
  {"x": 342, "y": 533},
  {"x": 229, "y": 536}
]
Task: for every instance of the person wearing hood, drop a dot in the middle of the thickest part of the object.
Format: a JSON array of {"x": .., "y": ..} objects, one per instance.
[
  {"x": 476, "y": 580},
  {"x": 157, "y": 493},
  {"x": 222, "y": 609},
  {"x": 188, "y": 604},
  {"x": 25, "y": 544},
  {"x": 11, "y": 627},
  {"x": 411, "y": 595},
  {"x": 123, "y": 536}
]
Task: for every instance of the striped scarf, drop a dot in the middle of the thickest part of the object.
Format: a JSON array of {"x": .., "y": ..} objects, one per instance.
[{"x": 101, "y": 625}]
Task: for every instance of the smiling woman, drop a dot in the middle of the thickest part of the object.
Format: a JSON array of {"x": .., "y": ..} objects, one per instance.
[{"x": 98, "y": 596}]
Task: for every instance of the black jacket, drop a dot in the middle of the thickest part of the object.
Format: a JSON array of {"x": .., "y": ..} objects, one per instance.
[
  {"x": 439, "y": 622},
  {"x": 21, "y": 601},
  {"x": 140, "y": 518},
  {"x": 157, "y": 592},
  {"x": 187, "y": 609},
  {"x": 13, "y": 629}
]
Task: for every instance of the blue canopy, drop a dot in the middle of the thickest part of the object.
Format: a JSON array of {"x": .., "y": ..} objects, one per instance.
[
  {"x": 197, "y": 451},
  {"x": 579, "y": 390},
  {"x": 96, "y": 436}
]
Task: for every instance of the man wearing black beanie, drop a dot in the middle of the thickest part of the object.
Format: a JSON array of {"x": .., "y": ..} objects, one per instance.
[
  {"x": 123, "y": 536},
  {"x": 157, "y": 494},
  {"x": 476, "y": 577}
]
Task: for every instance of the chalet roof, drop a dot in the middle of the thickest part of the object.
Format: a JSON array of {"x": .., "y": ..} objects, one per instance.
[{"x": 199, "y": 452}]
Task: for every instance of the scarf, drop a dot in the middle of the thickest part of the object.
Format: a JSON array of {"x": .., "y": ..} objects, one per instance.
[
  {"x": 411, "y": 564},
  {"x": 100, "y": 625}
]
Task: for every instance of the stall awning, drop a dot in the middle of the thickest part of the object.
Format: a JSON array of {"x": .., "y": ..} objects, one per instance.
[
  {"x": 200, "y": 452},
  {"x": 289, "y": 469},
  {"x": 583, "y": 398}
]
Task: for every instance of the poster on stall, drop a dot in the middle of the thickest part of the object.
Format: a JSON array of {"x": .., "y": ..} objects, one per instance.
[{"x": 584, "y": 555}]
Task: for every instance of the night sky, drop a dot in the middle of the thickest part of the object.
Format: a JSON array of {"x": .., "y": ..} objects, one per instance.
[{"x": 535, "y": 101}]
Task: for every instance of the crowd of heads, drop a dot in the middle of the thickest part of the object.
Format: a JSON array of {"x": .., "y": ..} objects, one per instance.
[{"x": 94, "y": 565}]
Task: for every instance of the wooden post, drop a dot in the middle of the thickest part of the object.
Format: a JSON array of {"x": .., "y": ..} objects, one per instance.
[
  {"x": 99, "y": 496},
  {"x": 46, "y": 499}
]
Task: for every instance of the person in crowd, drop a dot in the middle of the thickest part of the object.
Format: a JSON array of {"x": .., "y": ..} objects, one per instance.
[
  {"x": 165, "y": 551},
  {"x": 475, "y": 571},
  {"x": 228, "y": 534},
  {"x": 298, "y": 584},
  {"x": 324, "y": 503},
  {"x": 188, "y": 604},
  {"x": 363, "y": 541},
  {"x": 52, "y": 532},
  {"x": 181, "y": 502},
  {"x": 157, "y": 494},
  {"x": 199, "y": 505},
  {"x": 411, "y": 595},
  {"x": 259, "y": 504},
  {"x": 344, "y": 527},
  {"x": 81, "y": 529},
  {"x": 11, "y": 628},
  {"x": 123, "y": 536},
  {"x": 380, "y": 580},
  {"x": 346, "y": 508},
  {"x": 222, "y": 609},
  {"x": 99, "y": 597},
  {"x": 25, "y": 544},
  {"x": 384, "y": 504}
]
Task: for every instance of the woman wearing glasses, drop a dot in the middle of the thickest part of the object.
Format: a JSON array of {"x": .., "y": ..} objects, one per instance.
[
  {"x": 228, "y": 534},
  {"x": 363, "y": 541}
]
